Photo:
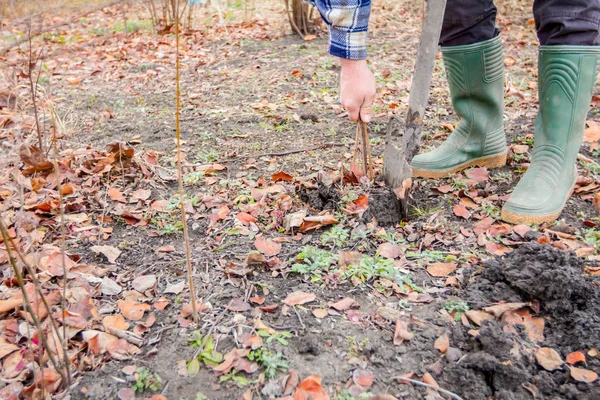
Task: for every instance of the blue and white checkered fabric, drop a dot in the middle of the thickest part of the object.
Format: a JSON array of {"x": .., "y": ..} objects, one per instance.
[{"x": 348, "y": 22}]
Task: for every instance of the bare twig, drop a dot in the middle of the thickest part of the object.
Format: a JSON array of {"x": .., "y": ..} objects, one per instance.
[
  {"x": 419, "y": 383},
  {"x": 34, "y": 317},
  {"x": 186, "y": 236},
  {"x": 129, "y": 336},
  {"x": 63, "y": 234},
  {"x": 32, "y": 61}
]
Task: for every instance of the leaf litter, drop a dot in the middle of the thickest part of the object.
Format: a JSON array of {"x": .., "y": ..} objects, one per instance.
[{"x": 115, "y": 197}]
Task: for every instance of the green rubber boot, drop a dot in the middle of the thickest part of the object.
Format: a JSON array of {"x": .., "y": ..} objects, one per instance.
[
  {"x": 476, "y": 80},
  {"x": 566, "y": 77}
]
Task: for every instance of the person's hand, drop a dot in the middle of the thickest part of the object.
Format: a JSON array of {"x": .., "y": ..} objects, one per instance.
[{"x": 357, "y": 89}]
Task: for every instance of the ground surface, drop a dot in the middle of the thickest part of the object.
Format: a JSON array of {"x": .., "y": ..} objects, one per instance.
[{"x": 264, "y": 141}]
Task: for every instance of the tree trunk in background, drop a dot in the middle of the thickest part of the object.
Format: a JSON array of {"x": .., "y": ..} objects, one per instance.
[{"x": 300, "y": 15}]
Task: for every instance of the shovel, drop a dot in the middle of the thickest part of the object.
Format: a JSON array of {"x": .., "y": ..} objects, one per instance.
[{"x": 400, "y": 147}]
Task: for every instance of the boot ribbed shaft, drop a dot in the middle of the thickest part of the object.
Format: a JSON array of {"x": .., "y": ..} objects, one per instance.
[
  {"x": 566, "y": 77},
  {"x": 476, "y": 80}
]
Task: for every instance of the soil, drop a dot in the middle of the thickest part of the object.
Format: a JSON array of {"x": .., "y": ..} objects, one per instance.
[
  {"x": 222, "y": 114},
  {"x": 384, "y": 207},
  {"x": 500, "y": 363}
]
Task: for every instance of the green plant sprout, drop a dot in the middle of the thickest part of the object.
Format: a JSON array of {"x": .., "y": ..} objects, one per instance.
[{"x": 146, "y": 380}]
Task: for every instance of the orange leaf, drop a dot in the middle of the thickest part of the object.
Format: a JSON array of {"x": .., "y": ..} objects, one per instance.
[
  {"x": 132, "y": 310},
  {"x": 592, "y": 132},
  {"x": 268, "y": 247},
  {"x": 439, "y": 269},
  {"x": 310, "y": 389},
  {"x": 401, "y": 333},
  {"x": 428, "y": 379},
  {"x": 596, "y": 203},
  {"x": 317, "y": 222},
  {"x": 282, "y": 176},
  {"x": 363, "y": 378},
  {"x": 478, "y": 316},
  {"x": 442, "y": 343},
  {"x": 116, "y": 195},
  {"x": 496, "y": 249},
  {"x": 345, "y": 304},
  {"x": 358, "y": 206},
  {"x": 299, "y": 297},
  {"x": 245, "y": 218},
  {"x": 461, "y": 211},
  {"x": 583, "y": 375},
  {"x": 575, "y": 357},
  {"x": 115, "y": 322}
]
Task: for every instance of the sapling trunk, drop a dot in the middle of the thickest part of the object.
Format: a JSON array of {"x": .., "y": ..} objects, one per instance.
[{"x": 186, "y": 237}]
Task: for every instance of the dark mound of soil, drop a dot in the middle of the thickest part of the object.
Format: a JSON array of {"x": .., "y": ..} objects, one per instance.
[
  {"x": 569, "y": 302},
  {"x": 499, "y": 363},
  {"x": 322, "y": 198},
  {"x": 383, "y": 204},
  {"x": 384, "y": 207}
]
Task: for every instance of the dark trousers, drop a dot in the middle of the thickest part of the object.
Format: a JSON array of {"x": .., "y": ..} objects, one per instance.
[{"x": 558, "y": 22}]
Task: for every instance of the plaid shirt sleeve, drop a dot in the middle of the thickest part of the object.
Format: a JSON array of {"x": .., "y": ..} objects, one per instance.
[{"x": 348, "y": 21}]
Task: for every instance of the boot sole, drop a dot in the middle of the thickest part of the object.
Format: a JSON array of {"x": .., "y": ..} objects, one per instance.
[
  {"x": 516, "y": 219},
  {"x": 497, "y": 161}
]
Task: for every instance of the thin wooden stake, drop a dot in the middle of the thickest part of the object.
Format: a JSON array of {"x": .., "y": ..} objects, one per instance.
[
  {"x": 362, "y": 146},
  {"x": 186, "y": 236}
]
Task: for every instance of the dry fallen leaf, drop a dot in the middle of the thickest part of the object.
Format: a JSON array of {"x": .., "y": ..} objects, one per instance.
[
  {"x": 498, "y": 309},
  {"x": 320, "y": 313},
  {"x": 509, "y": 61},
  {"x": 115, "y": 322},
  {"x": 144, "y": 282},
  {"x": 389, "y": 250},
  {"x": 310, "y": 389},
  {"x": 238, "y": 305},
  {"x": 596, "y": 203},
  {"x": 116, "y": 195},
  {"x": 428, "y": 379},
  {"x": 401, "y": 332},
  {"x": 344, "y": 304},
  {"x": 477, "y": 174},
  {"x": 316, "y": 222},
  {"x": 363, "y": 378},
  {"x": 478, "y": 316},
  {"x": 282, "y": 176},
  {"x": 440, "y": 269},
  {"x": 592, "y": 132},
  {"x": 299, "y": 297},
  {"x": 442, "y": 343},
  {"x": 583, "y": 375},
  {"x": 175, "y": 288},
  {"x": 132, "y": 310},
  {"x": 245, "y": 218},
  {"x": 358, "y": 206},
  {"x": 461, "y": 211},
  {"x": 294, "y": 220},
  {"x": 548, "y": 358},
  {"x": 575, "y": 357},
  {"x": 267, "y": 246},
  {"x": 110, "y": 252}
]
